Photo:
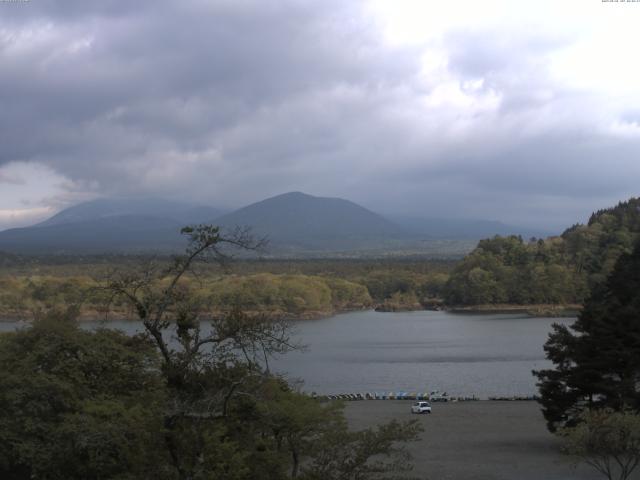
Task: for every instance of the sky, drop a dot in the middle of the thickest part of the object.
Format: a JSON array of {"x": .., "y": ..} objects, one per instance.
[{"x": 526, "y": 112}]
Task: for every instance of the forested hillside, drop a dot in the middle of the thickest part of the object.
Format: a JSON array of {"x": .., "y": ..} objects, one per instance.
[{"x": 557, "y": 270}]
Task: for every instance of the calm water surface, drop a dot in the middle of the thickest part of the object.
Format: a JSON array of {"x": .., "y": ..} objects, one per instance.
[
  {"x": 421, "y": 351},
  {"x": 462, "y": 354}
]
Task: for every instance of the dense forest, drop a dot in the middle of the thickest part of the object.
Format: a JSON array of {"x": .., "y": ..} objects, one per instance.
[
  {"x": 295, "y": 288},
  {"x": 556, "y": 270}
]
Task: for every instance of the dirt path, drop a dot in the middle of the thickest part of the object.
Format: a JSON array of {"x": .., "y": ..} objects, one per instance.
[{"x": 477, "y": 441}]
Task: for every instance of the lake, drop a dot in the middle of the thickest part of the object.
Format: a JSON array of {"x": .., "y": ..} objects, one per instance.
[{"x": 462, "y": 354}]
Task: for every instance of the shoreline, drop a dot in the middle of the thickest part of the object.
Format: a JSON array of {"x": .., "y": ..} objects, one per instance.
[
  {"x": 534, "y": 310},
  {"x": 410, "y": 398}
]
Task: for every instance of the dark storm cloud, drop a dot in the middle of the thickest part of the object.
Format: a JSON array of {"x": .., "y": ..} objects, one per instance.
[
  {"x": 231, "y": 101},
  {"x": 88, "y": 89}
]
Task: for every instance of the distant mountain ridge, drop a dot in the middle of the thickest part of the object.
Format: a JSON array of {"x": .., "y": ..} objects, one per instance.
[
  {"x": 110, "y": 225},
  {"x": 148, "y": 207},
  {"x": 123, "y": 233},
  {"x": 295, "y": 224}
]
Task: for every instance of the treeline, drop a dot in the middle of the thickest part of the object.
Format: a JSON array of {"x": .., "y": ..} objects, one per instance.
[
  {"x": 268, "y": 293},
  {"x": 292, "y": 294},
  {"x": 293, "y": 287},
  {"x": 556, "y": 270},
  {"x": 27, "y": 295},
  {"x": 283, "y": 294}
]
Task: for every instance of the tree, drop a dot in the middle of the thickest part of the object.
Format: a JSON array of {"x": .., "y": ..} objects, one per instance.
[
  {"x": 79, "y": 405},
  {"x": 192, "y": 398},
  {"x": 597, "y": 359},
  {"x": 519, "y": 273},
  {"x": 375, "y": 453},
  {"x": 606, "y": 440},
  {"x": 320, "y": 445},
  {"x": 204, "y": 370},
  {"x": 221, "y": 395}
]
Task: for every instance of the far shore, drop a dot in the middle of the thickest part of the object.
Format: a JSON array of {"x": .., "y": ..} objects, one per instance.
[
  {"x": 535, "y": 310},
  {"x": 94, "y": 316}
]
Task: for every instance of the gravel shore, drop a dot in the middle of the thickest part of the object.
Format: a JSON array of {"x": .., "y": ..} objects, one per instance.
[{"x": 482, "y": 440}]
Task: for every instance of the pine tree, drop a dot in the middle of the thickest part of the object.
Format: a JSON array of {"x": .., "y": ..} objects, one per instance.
[{"x": 597, "y": 359}]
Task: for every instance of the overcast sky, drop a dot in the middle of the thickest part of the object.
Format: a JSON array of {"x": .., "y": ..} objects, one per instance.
[{"x": 526, "y": 112}]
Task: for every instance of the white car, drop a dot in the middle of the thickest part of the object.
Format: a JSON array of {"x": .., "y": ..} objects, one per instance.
[{"x": 421, "y": 407}]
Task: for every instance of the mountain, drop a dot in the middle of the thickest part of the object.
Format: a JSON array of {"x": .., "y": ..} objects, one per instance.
[
  {"x": 296, "y": 224},
  {"x": 124, "y": 233},
  {"x": 297, "y": 221},
  {"x": 293, "y": 222},
  {"x": 110, "y": 225},
  {"x": 103, "y": 208}
]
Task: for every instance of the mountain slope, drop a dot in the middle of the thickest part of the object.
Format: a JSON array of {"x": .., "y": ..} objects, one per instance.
[
  {"x": 149, "y": 207},
  {"x": 124, "y": 233},
  {"x": 110, "y": 225},
  {"x": 292, "y": 222},
  {"x": 300, "y": 221},
  {"x": 295, "y": 224}
]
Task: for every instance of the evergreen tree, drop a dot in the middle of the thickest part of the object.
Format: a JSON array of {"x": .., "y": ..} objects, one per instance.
[{"x": 597, "y": 359}]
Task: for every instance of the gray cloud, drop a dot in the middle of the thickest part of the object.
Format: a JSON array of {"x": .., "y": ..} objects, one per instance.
[{"x": 231, "y": 101}]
